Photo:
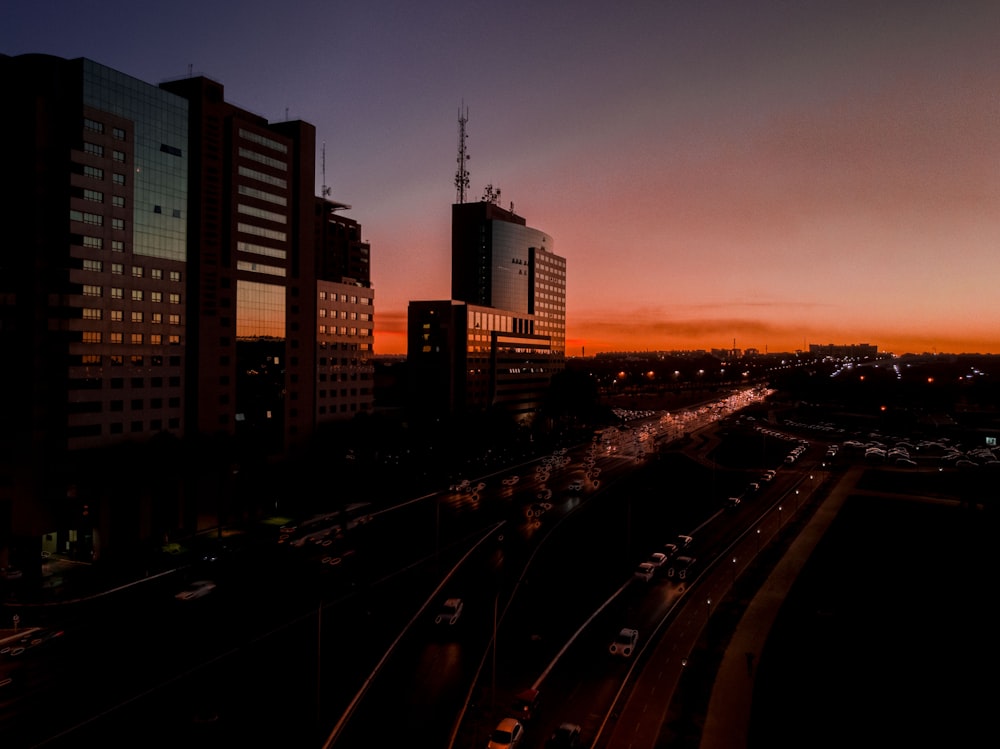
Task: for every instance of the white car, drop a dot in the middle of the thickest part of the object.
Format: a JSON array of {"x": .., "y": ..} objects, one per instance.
[
  {"x": 197, "y": 589},
  {"x": 657, "y": 559},
  {"x": 624, "y": 642},
  {"x": 644, "y": 571},
  {"x": 450, "y": 611}
]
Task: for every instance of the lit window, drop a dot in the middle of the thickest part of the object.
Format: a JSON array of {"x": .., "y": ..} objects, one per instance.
[
  {"x": 136, "y": 295},
  {"x": 91, "y": 290}
]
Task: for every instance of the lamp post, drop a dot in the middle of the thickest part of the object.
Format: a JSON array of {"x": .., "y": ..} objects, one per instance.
[
  {"x": 758, "y": 541},
  {"x": 708, "y": 610},
  {"x": 734, "y": 572},
  {"x": 780, "y": 521}
]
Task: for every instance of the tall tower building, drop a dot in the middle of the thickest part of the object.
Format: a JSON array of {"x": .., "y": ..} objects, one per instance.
[
  {"x": 501, "y": 337},
  {"x": 253, "y": 258},
  {"x": 92, "y": 300}
]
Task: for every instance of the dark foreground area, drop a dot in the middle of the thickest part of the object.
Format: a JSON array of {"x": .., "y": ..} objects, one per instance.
[{"x": 888, "y": 636}]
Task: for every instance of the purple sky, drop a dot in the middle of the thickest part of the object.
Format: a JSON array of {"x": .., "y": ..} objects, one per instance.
[{"x": 774, "y": 173}]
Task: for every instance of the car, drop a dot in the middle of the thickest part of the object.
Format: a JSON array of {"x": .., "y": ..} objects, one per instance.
[
  {"x": 669, "y": 550},
  {"x": 754, "y": 486},
  {"x": 507, "y": 734},
  {"x": 510, "y": 480},
  {"x": 657, "y": 559},
  {"x": 680, "y": 568},
  {"x": 449, "y": 612},
  {"x": 683, "y": 541},
  {"x": 624, "y": 642},
  {"x": 576, "y": 486},
  {"x": 566, "y": 736},
  {"x": 544, "y": 495},
  {"x": 733, "y": 501},
  {"x": 645, "y": 571},
  {"x": 537, "y": 509},
  {"x": 525, "y": 704},
  {"x": 195, "y": 590}
]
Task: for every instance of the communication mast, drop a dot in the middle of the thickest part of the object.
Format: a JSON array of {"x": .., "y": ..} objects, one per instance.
[
  {"x": 462, "y": 175},
  {"x": 326, "y": 190}
]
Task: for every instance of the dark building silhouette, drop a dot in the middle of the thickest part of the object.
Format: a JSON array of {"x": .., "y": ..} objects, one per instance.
[{"x": 175, "y": 279}]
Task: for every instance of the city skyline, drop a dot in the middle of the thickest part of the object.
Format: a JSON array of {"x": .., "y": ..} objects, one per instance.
[{"x": 767, "y": 177}]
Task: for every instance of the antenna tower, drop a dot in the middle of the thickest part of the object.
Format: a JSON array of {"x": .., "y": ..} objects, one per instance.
[
  {"x": 462, "y": 175},
  {"x": 326, "y": 190}
]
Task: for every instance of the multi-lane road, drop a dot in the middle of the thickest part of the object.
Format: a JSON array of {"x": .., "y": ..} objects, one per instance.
[{"x": 291, "y": 650}]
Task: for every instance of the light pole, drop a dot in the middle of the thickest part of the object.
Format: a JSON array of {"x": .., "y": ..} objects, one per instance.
[
  {"x": 780, "y": 521},
  {"x": 708, "y": 610},
  {"x": 734, "y": 572},
  {"x": 758, "y": 542}
]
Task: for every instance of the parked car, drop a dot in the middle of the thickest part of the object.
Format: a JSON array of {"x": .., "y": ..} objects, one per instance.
[
  {"x": 683, "y": 541},
  {"x": 507, "y": 734},
  {"x": 450, "y": 611},
  {"x": 733, "y": 501},
  {"x": 624, "y": 642}
]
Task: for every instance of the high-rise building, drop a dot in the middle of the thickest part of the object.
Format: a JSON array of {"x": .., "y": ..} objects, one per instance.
[
  {"x": 92, "y": 287},
  {"x": 345, "y": 318},
  {"x": 499, "y": 340},
  {"x": 175, "y": 277}
]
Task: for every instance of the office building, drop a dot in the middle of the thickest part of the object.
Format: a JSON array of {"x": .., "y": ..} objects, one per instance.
[
  {"x": 499, "y": 340},
  {"x": 94, "y": 318},
  {"x": 175, "y": 281}
]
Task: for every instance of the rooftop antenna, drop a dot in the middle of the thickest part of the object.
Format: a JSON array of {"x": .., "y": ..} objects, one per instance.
[
  {"x": 325, "y": 190},
  {"x": 462, "y": 175}
]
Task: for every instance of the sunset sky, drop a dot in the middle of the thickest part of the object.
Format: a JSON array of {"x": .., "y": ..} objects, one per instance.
[{"x": 774, "y": 172}]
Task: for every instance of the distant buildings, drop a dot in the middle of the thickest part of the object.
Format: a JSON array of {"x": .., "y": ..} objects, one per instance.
[
  {"x": 848, "y": 351},
  {"x": 496, "y": 344},
  {"x": 169, "y": 275}
]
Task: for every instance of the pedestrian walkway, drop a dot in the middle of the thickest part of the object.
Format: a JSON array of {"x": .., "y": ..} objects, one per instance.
[{"x": 727, "y": 722}]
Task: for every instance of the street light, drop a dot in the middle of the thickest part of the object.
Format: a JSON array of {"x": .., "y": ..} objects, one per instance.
[
  {"x": 708, "y": 609},
  {"x": 758, "y": 541},
  {"x": 780, "y": 521},
  {"x": 734, "y": 572}
]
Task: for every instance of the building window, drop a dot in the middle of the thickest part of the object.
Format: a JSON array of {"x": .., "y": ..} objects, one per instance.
[
  {"x": 175, "y": 340},
  {"x": 137, "y": 316},
  {"x": 93, "y": 149},
  {"x": 94, "y": 196},
  {"x": 156, "y": 339},
  {"x": 175, "y": 275},
  {"x": 116, "y": 338},
  {"x": 93, "y": 125},
  {"x": 136, "y": 295},
  {"x": 117, "y": 201},
  {"x": 117, "y": 269},
  {"x": 118, "y": 223},
  {"x": 116, "y": 315},
  {"x": 92, "y": 290},
  {"x": 156, "y": 296},
  {"x": 156, "y": 274},
  {"x": 94, "y": 265},
  {"x": 156, "y": 317},
  {"x": 94, "y": 172},
  {"x": 91, "y": 336},
  {"x": 117, "y": 292},
  {"x": 136, "y": 360},
  {"x": 137, "y": 271},
  {"x": 93, "y": 243},
  {"x": 117, "y": 133},
  {"x": 118, "y": 179},
  {"x": 136, "y": 338},
  {"x": 175, "y": 298},
  {"x": 119, "y": 156},
  {"x": 175, "y": 319},
  {"x": 117, "y": 245},
  {"x": 91, "y": 313}
]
